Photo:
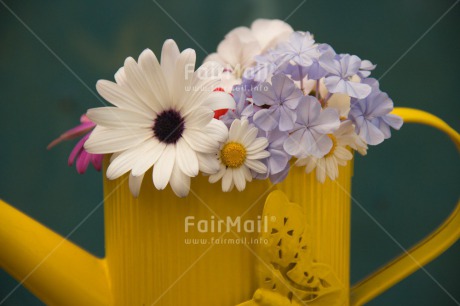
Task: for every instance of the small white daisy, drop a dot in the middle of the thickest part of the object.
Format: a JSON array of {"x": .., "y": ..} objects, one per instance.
[
  {"x": 163, "y": 118},
  {"x": 240, "y": 153},
  {"x": 338, "y": 155}
]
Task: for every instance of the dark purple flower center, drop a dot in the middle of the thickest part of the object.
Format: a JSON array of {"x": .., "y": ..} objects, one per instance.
[{"x": 168, "y": 126}]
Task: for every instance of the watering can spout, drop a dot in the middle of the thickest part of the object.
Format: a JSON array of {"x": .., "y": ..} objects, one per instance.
[{"x": 53, "y": 268}]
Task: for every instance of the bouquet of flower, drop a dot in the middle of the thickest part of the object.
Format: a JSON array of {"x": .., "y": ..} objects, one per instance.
[{"x": 269, "y": 94}]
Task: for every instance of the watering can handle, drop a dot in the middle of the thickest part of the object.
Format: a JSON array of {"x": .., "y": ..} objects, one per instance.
[{"x": 426, "y": 250}]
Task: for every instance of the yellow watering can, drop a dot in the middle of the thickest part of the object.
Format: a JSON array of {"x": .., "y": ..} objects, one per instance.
[{"x": 158, "y": 253}]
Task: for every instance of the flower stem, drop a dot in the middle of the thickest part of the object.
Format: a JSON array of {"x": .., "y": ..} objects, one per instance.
[
  {"x": 324, "y": 104},
  {"x": 302, "y": 87},
  {"x": 317, "y": 89}
]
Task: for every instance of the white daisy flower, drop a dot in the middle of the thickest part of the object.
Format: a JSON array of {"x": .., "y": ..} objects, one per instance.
[
  {"x": 163, "y": 117},
  {"x": 339, "y": 155},
  {"x": 240, "y": 153}
]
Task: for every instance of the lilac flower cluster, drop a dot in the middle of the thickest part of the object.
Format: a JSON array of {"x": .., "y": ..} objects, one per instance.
[{"x": 299, "y": 93}]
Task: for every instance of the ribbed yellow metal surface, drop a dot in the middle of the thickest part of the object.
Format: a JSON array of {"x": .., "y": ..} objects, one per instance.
[{"x": 150, "y": 263}]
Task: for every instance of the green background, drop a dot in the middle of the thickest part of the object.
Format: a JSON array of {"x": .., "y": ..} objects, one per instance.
[{"x": 409, "y": 184}]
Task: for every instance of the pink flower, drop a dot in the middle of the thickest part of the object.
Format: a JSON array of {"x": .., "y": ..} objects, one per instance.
[{"x": 79, "y": 153}]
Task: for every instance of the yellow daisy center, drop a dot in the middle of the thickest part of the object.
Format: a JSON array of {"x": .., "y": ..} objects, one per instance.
[
  {"x": 334, "y": 145},
  {"x": 233, "y": 154}
]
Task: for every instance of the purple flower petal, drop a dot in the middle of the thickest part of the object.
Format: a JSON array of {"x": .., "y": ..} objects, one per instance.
[
  {"x": 309, "y": 109},
  {"x": 382, "y": 126},
  {"x": 77, "y": 149},
  {"x": 321, "y": 146},
  {"x": 83, "y": 161},
  {"x": 267, "y": 119},
  {"x": 371, "y": 134},
  {"x": 287, "y": 119},
  {"x": 280, "y": 176},
  {"x": 394, "y": 121},
  {"x": 285, "y": 90},
  {"x": 263, "y": 94},
  {"x": 299, "y": 49},
  {"x": 327, "y": 122},
  {"x": 277, "y": 160},
  {"x": 292, "y": 145},
  {"x": 283, "y": 97},
  {"x": 350, "y": 65},
  {"x": 380, "y": 105},
  {"x": 341, "y": 69},
  {"x": 96, "y": 160},
  {"x": 75, "y": 132}
]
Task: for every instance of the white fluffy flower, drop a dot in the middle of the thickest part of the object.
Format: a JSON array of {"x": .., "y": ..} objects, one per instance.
[
  {"x": 239, "y": 47},
  {"x": 163, "y": 117},
  {"x": 240, "y": 153},
  {"x": 341, "y": 103},
  {"x": 339, "y": 155}
]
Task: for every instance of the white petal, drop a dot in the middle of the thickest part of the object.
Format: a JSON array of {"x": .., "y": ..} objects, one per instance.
[
  {"x": 235, "y": 130},
  {"x": 154, "y": 77},
  {"x": 183, "y": 74},
  {"x": 229, "y": 50},
  {"x": 199, "y": 118},
  {"x": 152, "y": 153},
  {"x": 247, "y": 173},
  {"x": 259, "y": 155},
  {"x": 139, "y": 85},
  {"x": 341, "y": 103},
  {"x": 125, "y": 161},
  {"x": 103, "y": 141},
  {"x": 217, "y": 130},
  {"x": 301, "y": 162},
  {"x": 238, "y": 179},
  {"x": 219, "y": 100},
  {"x": 331, "y": 168},
  {"x": 208, "y": 163},
  {"x": 268, "y": 32},
  {"x": 120, "y": 77},
  {"x": 163, "y": 167},
  {"x": 115, "y": 155},
  {"x": 217, "y": 176},
  {"x": 321, "y": 170},
  {"x": 120, "y": 96},
  {"x": 227, "y": 180},
  {"x": 180, "y": 182},
  {"x": 135, "y": 183},
  {"x": 343, "y": 153},
  {"x": 186, "y": 158},
  {"x": 256, "y": 165},
  {"x": 169, "y": 54},
  {"x": 200, "y": 141},
  {"x": 206, "y": 77},
  {"x": 258, "y": 145},
  {"x": 249, "y": 137},
  {"x": 311, "y": 164},
  {"x": 113, "y": 117}
]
